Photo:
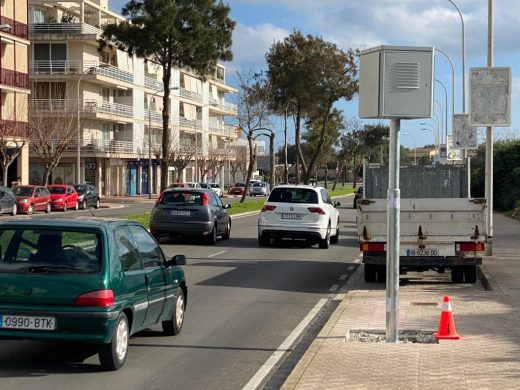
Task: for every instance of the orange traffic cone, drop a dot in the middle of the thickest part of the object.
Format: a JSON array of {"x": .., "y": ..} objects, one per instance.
[{"x": 446, "y": 323}]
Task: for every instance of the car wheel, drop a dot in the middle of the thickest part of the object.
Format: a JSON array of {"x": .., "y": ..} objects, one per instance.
[
  {"x": 264, "y": 240},
  {"x": 227, "y": 234},
  {"x": 113, "y": 355},
  {"x": 76, "y": 206},
  {"x": 14, "y": 211},
  {"x": 174, "y": 325},
  {"x": 48, "y": 208},
  {"x": 334, "y": 239},
  {"x": 30, "y": 210},
  {"x": 83, "y": 204},
  {"x": 325, "y": 242},
  {"x": 97, "y": 204},
  {"x": 64, "y": 206},
  {"x": 212, "y": 236}
]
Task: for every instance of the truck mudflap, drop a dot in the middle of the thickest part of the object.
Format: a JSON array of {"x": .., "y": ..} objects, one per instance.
[{"x": 427, "y": 261}]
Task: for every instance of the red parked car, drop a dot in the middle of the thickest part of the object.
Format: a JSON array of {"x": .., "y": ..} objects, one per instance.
[
  {"x": 63, "y": 197},
  {"x": 32, "y": 198},
  {"x": 237, "y": 189}
]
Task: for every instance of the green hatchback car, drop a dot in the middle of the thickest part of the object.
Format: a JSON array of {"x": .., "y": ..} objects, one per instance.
[{"x": 87, "y": 280}]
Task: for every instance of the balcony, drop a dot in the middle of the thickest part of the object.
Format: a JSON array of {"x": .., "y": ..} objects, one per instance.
[
  {"x": 189, "y": 95},
  {"x": 63, "y": 29},
  {"x": 19, "y": 30},
  {"x": 14, "y": 129},
  {"x": 96, "y": 146},
  {"x": 222, "y": 105},
  {"x": 88, "y": 106},
  {"x": 153, "y": 84},
  {"x": 78, "y": 67},
  {"x": 222, "y": 129},
  {"x": 153, "y": 116},
  {"x": 190, "y": 124},
  {"x": 14, "y": 79}
]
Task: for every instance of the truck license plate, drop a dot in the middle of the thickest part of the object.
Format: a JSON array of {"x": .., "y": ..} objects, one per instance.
[
  {"x": 422, "y": 252},
  {"x": 8, "y": 321}
]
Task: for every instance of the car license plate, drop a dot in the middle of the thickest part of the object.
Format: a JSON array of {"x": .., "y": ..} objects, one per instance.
[
  {"x": 291, "y": 216},
  {"x": 180, "y": 212},
  {"x": 422, "y": 252},
  {"x": 8, "y": 321}
]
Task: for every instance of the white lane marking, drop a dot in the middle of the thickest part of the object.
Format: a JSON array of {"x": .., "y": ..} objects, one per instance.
[
  {"x": 216, "y": 254},
  {"x": 260, "y": 375},
  {"x": 350, "y": 268},
  {"x": 334, "y": 287},
  {"x": 344, "y": 276}
]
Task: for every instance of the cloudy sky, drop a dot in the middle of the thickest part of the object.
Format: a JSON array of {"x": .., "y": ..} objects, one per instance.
[{"x": 368, "y": 23}]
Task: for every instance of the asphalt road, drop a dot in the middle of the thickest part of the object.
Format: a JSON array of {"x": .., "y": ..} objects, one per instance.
[{"x": 244, "y": 304}]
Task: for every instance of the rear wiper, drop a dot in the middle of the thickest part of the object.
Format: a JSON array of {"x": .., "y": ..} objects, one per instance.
[{"x": 54, "y": 268}]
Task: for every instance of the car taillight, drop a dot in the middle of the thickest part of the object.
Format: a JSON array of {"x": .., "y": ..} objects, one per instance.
[
  {"x": 205, "y": 199},
  {"x": 98, "y": 298},
  {"x": 372, "y": 247},
  {"x": 160, "y": 198},
  {"x": 318, "y": 210},
  {"x": 268, "y": 207},
  {"x": 470, "y": 247}
]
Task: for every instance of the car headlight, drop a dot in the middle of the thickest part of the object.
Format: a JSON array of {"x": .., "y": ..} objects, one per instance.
[{"x": 24, "y": 201}]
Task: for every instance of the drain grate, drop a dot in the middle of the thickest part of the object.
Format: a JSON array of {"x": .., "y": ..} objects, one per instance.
[{"x": 379, "y": 336}]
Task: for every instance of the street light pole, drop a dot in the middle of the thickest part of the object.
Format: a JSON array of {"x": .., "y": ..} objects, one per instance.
[
  {"x": 446, "y": 112},
  {"x": 442, "y": 114},
  {"x": 414, "y": 147},
  {"x": 463, "y": 59},
  {"x": 150, "y": 145},
  {"x": 489, "y": 145},
  {"x": 452, "y": 80},
  {"x": 286, "y": 169},
  {"x": 438, "y": 147}
]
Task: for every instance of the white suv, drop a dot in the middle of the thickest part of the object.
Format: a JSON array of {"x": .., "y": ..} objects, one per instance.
[{"x": 299, "y": 212}]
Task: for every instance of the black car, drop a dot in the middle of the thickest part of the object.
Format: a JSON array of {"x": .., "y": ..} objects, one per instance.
[
  {"x": 190, "y": 212},
  {"x": 88, "y": 196},
  {"x": 358, "y": 195},
  {"x": 7, "y": 201}
]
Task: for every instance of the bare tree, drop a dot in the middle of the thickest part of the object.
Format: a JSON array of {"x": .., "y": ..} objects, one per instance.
[
  {"x": 14, "y": 136},
  {"x": 239, "y": 163},
  {"x": 216, "y": 160},
  {"x": 179, "y": 157},
  {"x": 53, "y": 129}
]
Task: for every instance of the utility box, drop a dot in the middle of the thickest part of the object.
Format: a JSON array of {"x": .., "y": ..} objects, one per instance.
[{"x": 396, "y": 82}]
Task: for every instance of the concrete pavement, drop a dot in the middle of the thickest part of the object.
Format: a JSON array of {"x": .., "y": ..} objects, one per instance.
[{"x": 486, "y": 357}]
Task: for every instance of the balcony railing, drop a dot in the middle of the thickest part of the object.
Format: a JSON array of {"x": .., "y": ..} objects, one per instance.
[
  {"x": 223, "y": 105},
  {"x": 17, "y": 29},
  {"x": 154, "y": 116},
  {"x": 184, "y": 93},
  {"x": 222, "y": 128},
  {"x": 79, "y": 67},
  {"x": 191, "y": 124},
  {"x": 87, "y": 106},
  {"x": 13, "y": 129},
  {"x": 14, "y": 78},
  {"x": 153, "y": 84},
  {"x": 96, "y": 146},
  {"x": 63, "y": 28}
]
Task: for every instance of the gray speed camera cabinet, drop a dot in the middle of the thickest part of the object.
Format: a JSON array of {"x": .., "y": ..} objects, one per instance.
[{"x": 396, "y": 82}]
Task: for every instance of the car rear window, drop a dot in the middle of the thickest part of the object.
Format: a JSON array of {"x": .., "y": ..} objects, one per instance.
[
  {"x": 37, "y": 251},
  {"x": 293, "y": 195},
  {"x": 240, "y": 184},
  {"x": 258, "y": 184},
  {"x": 182, "y": 198}
]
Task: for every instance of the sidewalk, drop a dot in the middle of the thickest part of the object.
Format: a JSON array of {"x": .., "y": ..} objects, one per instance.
[{"x": 486, "y": 357}]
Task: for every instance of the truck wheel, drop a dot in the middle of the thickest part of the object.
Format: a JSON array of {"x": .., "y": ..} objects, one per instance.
[
  {"x": 470, "y": 274},
  {"x": 370, "y": 273},
  {"x": 457, "y": 274}
]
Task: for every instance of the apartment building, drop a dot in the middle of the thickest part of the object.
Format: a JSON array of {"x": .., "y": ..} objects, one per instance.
[
  {"x": 118, "y": 101},
  {"x": 14, "y": 87}
]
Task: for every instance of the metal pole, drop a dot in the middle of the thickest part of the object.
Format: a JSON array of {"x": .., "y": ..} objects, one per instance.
[
  {"x": 452, "y": 80},
  {"x": 489, "y": 144},
  {"x": 393, "y": 234},
  {"x": 196, "y": 155},
  {"x": 446, "y": 112},
  {"x": 286, "y": 169},
  {"x": 463, "y": 59},
  {"x": 442, "y": 124},
  {"x": 78, "y": 147},
  {"x": 149, "y": 153}
]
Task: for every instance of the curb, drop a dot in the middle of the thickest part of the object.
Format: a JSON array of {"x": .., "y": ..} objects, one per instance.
[{"x": 487, "y": 279}]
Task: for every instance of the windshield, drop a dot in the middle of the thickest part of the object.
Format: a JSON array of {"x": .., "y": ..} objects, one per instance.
[
  {"x": 259, "y": 185},
  {"x": 293, "y": 195},
  {"x": 23, "y": 191},
  {"x": 33, "y": 251},
  {"x": 240, "y": 184},
  {"x": 81, "y": 188},
  {"x": 56, "y": 190}
]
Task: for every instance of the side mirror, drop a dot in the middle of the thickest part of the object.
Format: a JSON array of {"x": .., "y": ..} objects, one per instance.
[
  {"x": 227, "y": 206},
  {"x": 177, "y": 260},
  {"x": 337, "y": 204}
]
